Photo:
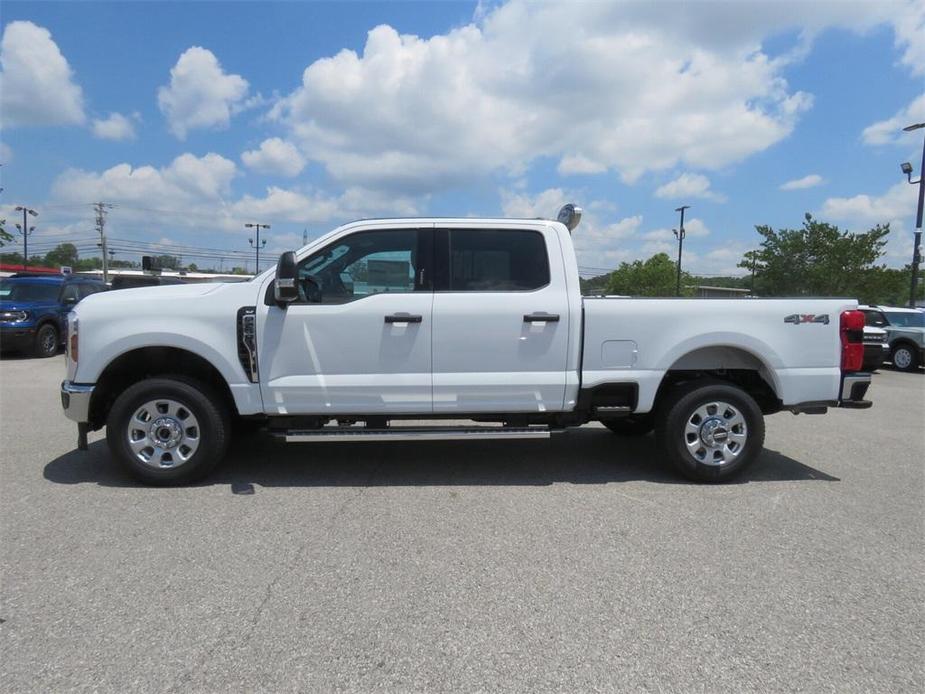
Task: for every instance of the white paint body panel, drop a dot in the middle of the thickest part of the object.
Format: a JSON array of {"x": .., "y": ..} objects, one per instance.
[
  {"x": 801, "y": 362},
  {"x": 344, "y": 358},
  {"x": 487, "y": 358},
  {"x": 472, "y": 352}
]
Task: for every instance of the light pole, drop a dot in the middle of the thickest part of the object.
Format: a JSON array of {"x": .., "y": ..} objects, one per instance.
[
  {"x": 917, "y": 242},
  {"x": 25, "y": 230},
  {"x": 258, "y": 245},
  {"x": 679, "y": 234}
]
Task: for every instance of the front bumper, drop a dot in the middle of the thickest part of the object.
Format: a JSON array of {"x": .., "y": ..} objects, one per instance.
[
  {"x": 75, "y": 399},
  {"x": 853, "y": 389}
]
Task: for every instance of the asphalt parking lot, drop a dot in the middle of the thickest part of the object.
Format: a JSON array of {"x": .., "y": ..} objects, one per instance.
[{"x": 572, "y": 565}]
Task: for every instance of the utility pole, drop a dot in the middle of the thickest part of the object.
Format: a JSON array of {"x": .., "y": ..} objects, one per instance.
[
  {"x": 26, "y": 231},
  {"x": 917, "y": 239},
  {"x": 258, "y": 245},
  {"x": 101, "y": 209},
  {"x": 679, "y": 234}
]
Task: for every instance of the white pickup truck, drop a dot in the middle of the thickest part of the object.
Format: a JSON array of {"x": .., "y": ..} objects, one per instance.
[{"x": 381, "y": 324}]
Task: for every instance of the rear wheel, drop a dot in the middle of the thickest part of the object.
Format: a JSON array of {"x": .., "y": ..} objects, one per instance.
[
  {"x": 46, "y": 341},
  {"x": 710, "y": 431},
  {"x": 167, "y": 431},
  {"x": 904, "y": 357},
  {"x": 634, "y": 425}
]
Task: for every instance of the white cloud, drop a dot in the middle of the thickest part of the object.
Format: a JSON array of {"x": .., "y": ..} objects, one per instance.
[
  {"x": 909, "y": 27},
  {"x": 689, "y": 185},
  {"x": 36, "y": 81},
  {"x": 525, "y": 206},
  {"x": 810, "y": 181},
  {"x": 200, "y": 94},
  {"x": 894, "y": 205},
  {"x": 195, "y": 193},
  {"x": 115, "y": 127},
  {"x": 275, "y": 156},
  {"x": 889, "y": 131},
  {"x": 6, "y": 153},
  {"x": 624, "y": 87},
  {"x": 188, "y": 179}
]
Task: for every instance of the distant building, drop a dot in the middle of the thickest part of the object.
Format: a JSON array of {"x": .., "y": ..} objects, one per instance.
[{"x": 702, "y": 291}]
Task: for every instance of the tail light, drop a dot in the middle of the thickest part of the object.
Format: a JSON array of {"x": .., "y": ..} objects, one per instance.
[{"x": 852, "y": 340}]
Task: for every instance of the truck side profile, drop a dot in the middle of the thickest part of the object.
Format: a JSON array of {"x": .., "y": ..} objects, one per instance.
[{"x": 383, "y": 323}]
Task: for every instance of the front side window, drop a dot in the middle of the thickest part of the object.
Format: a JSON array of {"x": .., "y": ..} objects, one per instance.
[
  {"x": 363, "y": 264},
  {"x": 490, "y": 260}
]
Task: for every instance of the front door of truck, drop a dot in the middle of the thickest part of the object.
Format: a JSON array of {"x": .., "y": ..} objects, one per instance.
[
  {"x": 501, "y": 320},
  {"x": 359, "y": 339}
]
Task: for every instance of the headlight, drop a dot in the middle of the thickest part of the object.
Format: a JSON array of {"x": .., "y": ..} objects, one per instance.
[
  {"x": 73, "y": 342},
  {"x": 14, "y": 316}
]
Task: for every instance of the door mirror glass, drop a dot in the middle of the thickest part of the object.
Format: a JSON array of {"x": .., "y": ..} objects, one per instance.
[{"x": 285, "y": 287}]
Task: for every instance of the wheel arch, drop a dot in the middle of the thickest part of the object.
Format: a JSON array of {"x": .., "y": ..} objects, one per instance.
[
  {"x": 146, "y": 362},
  {"x": 730, "y": 363}
]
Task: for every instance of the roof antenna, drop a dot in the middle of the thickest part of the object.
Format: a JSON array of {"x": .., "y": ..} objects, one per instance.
[{"x": 569, "y": 215}]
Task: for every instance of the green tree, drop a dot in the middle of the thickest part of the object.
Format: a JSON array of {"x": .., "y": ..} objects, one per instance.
[
  {"x": 656, "y": 276},
  {"x": 5, "y": 237},
  {"x": 62, "y": 254},
  {"x": 818, "y": 260}
]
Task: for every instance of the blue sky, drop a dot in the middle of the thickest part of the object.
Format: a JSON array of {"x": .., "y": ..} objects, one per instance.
[{"x": 306, "y": 115}]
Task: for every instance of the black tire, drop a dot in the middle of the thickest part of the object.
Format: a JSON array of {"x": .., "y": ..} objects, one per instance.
[
  {"x": 213, "y": 430},
  {"x": 907, "y": 356},
  {"x": 46, "y": 341},
  {"x": 679, "y": 407},
  {"x": 634, "y": 425}
]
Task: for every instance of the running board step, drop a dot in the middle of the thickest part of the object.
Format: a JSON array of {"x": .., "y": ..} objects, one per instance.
[{"x": 416, "y": 434}]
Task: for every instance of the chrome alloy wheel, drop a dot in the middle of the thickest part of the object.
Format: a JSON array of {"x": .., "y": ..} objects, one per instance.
[
  {"x": 716, "y": 433},
  {"x": 163, "y": 434}
]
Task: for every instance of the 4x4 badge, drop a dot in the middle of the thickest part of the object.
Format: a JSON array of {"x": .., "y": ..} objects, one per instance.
[{"x": 797, "y": 318}]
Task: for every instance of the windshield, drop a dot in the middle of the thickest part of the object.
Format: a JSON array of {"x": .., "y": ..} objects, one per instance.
[
  {"x": 906, "y": 320},
  {"x": 28, "y": 291}
]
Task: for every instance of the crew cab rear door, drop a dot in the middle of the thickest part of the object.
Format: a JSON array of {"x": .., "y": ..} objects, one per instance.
[{"x": 501, "y": 319}]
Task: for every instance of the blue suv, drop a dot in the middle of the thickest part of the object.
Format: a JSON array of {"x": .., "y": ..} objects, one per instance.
[{"x": 33, "y": 310}]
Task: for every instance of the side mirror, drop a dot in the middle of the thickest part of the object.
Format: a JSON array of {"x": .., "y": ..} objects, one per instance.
[
  {"x": 70, "y": 300},
  {"x": 285, "y": 286}
]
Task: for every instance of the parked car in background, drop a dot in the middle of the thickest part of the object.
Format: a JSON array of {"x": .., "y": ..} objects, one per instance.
[
  {"x": 905, "y": 328},
  {"x": 34, "y": 308},
  {"x": 876, "y": 347}
]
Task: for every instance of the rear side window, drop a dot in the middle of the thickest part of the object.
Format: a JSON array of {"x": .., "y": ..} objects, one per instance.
[{"x": 489, "y": 260}]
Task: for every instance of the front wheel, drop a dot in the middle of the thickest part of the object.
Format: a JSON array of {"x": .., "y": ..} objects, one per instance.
[
  {"x": 904, "y": 358},
  {"x": 710, "y": 431},
  {"x": 167, "y": 431}
]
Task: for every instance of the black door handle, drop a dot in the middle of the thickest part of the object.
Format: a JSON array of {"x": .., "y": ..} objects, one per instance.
[
  {"x": 403, "y": 318},
  {"x": 541, "y": 318}
]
